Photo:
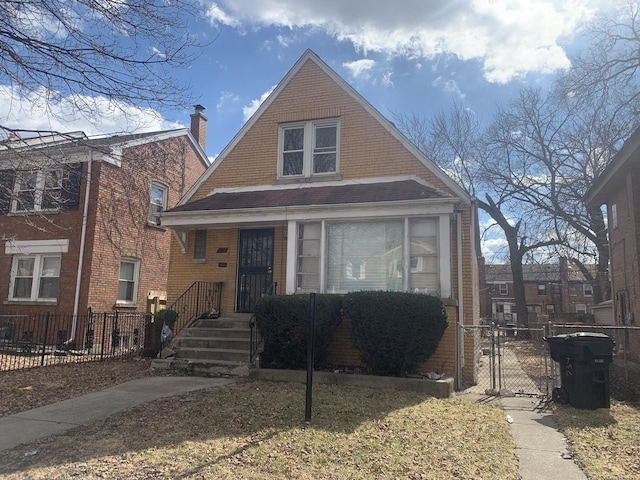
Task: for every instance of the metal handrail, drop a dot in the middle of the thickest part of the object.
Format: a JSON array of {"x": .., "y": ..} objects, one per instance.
[{"x": 199, "y": 299}]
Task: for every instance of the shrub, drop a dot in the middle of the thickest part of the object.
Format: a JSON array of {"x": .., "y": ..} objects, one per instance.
[
  {"x": 395, "y": 332},
  {"x": 283, "y": 322}
]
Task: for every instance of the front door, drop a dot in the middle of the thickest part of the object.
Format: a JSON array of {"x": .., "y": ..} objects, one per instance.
[{"x": 255, "y": 271}]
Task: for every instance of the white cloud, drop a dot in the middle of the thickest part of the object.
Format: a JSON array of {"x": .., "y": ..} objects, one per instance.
[
  {"x": 510, "y": 37},
  {"x": 225, "y": 99},
  {"x": 250, "y": 109},
  {"x": 44, "y": 110},
  {"x": 360, "y": 68}
]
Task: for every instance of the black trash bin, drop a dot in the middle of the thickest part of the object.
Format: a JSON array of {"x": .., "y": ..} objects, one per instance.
[{"x": 584, "y": 359}]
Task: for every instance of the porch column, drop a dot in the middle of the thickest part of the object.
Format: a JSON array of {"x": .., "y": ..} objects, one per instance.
[{"x": 292, "y": 245}]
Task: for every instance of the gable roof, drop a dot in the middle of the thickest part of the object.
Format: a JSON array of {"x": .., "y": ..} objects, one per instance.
[
  {"x": 628, "y": 157},
  {"x": 110, "y": 146},
  {"x": 386, "y": 124}
]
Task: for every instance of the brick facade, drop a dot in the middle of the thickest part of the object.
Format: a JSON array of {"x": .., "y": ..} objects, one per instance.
[
  {"x": 367, "y": 149},
  {"x": 116, "y": 220}
]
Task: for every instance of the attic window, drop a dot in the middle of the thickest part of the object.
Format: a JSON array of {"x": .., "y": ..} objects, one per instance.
[{"x": 308, "y": 148}]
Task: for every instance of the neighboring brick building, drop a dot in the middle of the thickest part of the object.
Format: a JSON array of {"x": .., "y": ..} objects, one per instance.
[
  {"x": 552, "y": 289},
  {"x": 79, "y": 217},
  {"x": 618, "y": 187},
  {"x": 320, "y": 193}
]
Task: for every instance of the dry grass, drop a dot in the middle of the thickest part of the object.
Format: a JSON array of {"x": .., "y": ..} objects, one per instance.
[
  {"x": 606, "y": 443},
  {"x": 255, "y": 430}
]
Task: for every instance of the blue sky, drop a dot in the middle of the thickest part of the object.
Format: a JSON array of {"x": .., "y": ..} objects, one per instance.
[{"x": 407, "y": 56}]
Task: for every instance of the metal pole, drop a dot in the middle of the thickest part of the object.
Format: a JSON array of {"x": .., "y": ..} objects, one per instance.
[
  {"x": 310, "y": 344},
  {"x": 44, "y": 341}
]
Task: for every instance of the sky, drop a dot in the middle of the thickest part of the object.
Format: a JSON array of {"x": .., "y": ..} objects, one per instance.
[{"x": 404, "y": 57}]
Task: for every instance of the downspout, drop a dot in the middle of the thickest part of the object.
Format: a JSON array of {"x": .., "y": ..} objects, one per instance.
[
  {"x": 83, "y": 236},
  {"x": 460, "y": 298}
]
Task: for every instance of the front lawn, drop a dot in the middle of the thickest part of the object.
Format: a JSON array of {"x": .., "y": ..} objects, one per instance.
[{"x": 255, "y": 430}]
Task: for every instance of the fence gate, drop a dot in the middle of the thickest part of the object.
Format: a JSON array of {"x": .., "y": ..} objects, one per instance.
[{"x": 511, "y": 361}]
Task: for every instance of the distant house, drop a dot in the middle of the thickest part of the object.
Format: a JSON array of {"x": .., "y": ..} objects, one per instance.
[
  {"x": 618, "y": 187},
  {"x": 558, "y": 290},
  {"x": 80, "y": 217},
  {"x": 318, "y": 192}
]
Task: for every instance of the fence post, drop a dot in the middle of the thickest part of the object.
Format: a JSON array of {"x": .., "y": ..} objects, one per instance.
[
  {"x": 104, "y": 333},
  {"x": 44, "y": 340}
]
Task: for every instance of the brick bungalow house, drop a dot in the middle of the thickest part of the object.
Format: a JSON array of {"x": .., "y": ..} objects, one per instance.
[
  {"x": 79, "y": 217},
  {"x": 318, "y": 192},
  {"x": 618, "y": 187}
]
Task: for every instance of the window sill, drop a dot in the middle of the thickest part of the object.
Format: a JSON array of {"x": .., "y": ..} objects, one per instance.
[
  {"x": 313, "y": 179},
  {"x": 13, "y": 301},
  {"x": 24, "y": 213},
  {"x": 198, "y": 260},
  {"x": 132, "y": 306}
]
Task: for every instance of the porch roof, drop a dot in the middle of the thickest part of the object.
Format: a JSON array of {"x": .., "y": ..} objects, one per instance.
[{"x": 353, "y": 193}]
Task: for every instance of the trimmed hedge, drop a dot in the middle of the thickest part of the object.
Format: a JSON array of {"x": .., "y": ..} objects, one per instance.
[
  {"x": 395, "y": 332},
  {"x": 283, "y": 322}
]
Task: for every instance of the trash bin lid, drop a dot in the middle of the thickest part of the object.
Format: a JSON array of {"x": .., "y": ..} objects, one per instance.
[{"x": 589, "y": 337}]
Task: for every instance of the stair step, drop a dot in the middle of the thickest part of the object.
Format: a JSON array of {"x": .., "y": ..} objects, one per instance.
[
  {"x": 216, "y": 332},
  {"x": 223, "y": 322},
  {"x": 213, "y": 342},
  {"x": 213, "y": 354}
]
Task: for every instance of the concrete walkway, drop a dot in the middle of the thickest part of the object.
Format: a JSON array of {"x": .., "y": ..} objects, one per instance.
[
  {"x": 41, "y": 422},
  {"x": 541, "y": 448}
]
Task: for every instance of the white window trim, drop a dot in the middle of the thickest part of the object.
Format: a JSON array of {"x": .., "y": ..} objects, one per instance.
[
  {"x": 37, "y": 275},
  {"x": 309, "y": 142},
  {"x": 506, "y": 288},
  {"x": 26, "y": 247},
  {"x": 136, "y": 281},
  {"x": 165, "y": 196},
  {"x": 41, "y": 175},
  {"x": 586, "y": 286},
  {"x": 444, "y": 254}
]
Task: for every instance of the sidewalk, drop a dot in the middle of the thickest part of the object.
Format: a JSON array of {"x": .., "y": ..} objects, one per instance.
[{"x": 41, "y": 422}]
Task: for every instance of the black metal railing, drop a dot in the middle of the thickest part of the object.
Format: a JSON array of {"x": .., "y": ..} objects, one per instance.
[
  {"x": 31, "y": 340},
  {"x": 201, "y": 298},
  {"x": 256, "y": 343}
]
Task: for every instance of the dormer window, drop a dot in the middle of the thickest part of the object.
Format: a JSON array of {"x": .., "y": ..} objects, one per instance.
[{"x": 308, "y": 148}]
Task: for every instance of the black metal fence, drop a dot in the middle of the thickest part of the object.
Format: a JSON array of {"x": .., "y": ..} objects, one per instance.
[{"x": 50, "y": 338}]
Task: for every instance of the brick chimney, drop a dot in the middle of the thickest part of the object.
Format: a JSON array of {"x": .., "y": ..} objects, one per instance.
[{"x": 199, "y": 126}]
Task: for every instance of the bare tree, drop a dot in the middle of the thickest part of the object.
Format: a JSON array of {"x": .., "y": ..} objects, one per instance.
[
  {"x": 548, "y": 149},
  {"x": 457, "y": 142},
  {"x": 122, "y": 51}
]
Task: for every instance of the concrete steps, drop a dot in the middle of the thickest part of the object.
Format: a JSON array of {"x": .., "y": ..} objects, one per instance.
[{"x": 217, "y": 347}]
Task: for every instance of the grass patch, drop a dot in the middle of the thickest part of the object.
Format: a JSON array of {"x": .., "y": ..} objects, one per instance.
[
  {"x": 255, "y": 430},
  {"x": 606, "y": 443}
]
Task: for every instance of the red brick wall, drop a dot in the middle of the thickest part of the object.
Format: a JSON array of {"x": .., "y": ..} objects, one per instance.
[{"x": 118, "y": 227}]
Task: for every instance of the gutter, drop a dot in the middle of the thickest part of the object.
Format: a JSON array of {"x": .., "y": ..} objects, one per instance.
[{"x": 83, "y": 237}]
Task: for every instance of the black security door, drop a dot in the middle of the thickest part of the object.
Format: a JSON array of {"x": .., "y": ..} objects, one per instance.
[{"x": 255, "y": 272}]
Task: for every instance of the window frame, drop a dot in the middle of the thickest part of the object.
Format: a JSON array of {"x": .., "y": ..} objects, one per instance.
[
  {"x": 37, "y": 276},
  {"x": 135, "y": 280},
  {"x": 505, "y": 290},
  {"x": 542, "y": 289},
  {"x": 309, "y": 147},
  {"x": 587, "y": 290},
  {"x": 154, "y": 218},
  {"x": 40, "y": 189},
  {"x": 401, "y": 273}
]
